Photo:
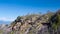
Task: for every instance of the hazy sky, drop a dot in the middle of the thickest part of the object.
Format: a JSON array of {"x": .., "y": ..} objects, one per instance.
[{"x": 10, "y": 9}]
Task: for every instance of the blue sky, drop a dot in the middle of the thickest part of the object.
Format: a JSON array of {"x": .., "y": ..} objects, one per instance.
[{"x": 10, "y": 9}]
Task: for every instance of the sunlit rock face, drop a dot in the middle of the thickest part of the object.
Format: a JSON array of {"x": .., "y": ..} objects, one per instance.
[{"x": 31, "y": 24}]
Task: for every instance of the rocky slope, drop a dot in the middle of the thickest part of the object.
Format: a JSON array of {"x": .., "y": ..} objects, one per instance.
[
  {"x": 48, "y": 23},
  {"x": 31, "y": 24}
]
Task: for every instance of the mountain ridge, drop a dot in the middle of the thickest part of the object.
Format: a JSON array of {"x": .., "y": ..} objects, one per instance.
[{"x": 48, "y": 23}]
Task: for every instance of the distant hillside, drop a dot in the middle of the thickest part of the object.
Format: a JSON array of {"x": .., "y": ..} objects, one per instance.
[{"x": 4, "y": 22}]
